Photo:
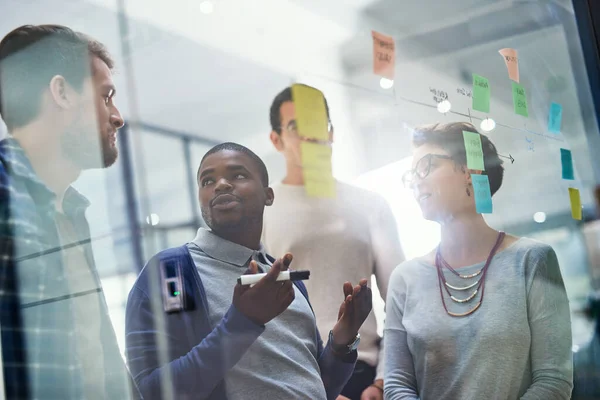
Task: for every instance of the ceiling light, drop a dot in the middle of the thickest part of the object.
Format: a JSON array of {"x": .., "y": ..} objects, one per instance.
[
  {"x": 152, "y": 219},
  {"x": 488, "y": 125},
  {"x": 539, "y": 217},
  {"x": 444, "y": 106},
  {"x": 206, "y": 7},
  {"x": 386, "y": 83}
]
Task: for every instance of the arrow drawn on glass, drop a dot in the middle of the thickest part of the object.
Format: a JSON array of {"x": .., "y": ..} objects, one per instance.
[{"x": 512, "y": 160}]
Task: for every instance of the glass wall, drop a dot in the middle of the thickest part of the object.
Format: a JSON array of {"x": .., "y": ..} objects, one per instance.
[{"x": 191, "y": 74}]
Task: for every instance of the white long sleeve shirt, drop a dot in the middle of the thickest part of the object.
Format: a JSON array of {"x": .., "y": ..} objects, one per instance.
[{"x": 344, "y": 239}]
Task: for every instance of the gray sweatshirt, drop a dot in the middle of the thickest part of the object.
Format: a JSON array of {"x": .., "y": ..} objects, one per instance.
[{"x": 517, "y": 345}]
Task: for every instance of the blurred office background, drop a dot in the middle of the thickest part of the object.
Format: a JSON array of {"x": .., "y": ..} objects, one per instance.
[{"x": 193, "y": 73}]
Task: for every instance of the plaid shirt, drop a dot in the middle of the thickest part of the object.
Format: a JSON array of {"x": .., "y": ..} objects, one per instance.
[{"x": 36, "y": 320}]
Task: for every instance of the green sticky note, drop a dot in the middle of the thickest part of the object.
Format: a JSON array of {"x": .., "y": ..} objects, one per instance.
[
  {"x": 474, "y": 150},
  {"x": 519, "y": 99},
  {"x": 481, "y": 94}
]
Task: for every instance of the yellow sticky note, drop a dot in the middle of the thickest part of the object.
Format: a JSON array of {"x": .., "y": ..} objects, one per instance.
[
  {"x": 575, "y": 203},
  {"x": 311, "y": 115},
  {"x": 317, "y": 170}
]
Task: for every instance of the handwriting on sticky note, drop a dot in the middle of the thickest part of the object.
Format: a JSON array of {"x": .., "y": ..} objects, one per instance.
[
  {"x": 474, "y": 151},
  {"x": 575, "y": 199},
  {"x": 384, "y": 55},
  {"x": 317, "y": 170},
  {"x": 481, "y": 94},
  {"x": 555, "y": 118},
  {"x": 311, "y": 114},
  {"x": 519, "y": 99},
  {"x": 482, "y": 193},
  {"x": 511, "y": 60},
  {"x": 566, "y": 160}
]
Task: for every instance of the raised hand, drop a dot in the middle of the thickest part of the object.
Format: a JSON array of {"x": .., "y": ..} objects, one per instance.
[
  {"x": 353, "y": 311},
  {"x": 267, "y": 298}
]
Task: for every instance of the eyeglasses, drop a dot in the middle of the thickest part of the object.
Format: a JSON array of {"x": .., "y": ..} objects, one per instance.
[
  {"x": 422, "y": 169},
  {"x": 292, "y": 129}
]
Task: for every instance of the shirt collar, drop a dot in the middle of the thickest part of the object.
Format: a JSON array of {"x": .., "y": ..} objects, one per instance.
[
  {"x": 74, "y": 203},
  {"x": 226, "y": 251},
  {"x": 17, "y": 163}
]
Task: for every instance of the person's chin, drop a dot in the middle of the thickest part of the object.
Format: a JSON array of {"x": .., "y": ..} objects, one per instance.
[
  {"x": 428, "y": 213},
  {"x": 225, "y": 224},
  {"x": 229, "y": 217},
  {"x": 110, "y": 157},
  {"x": 110, "y": 152}
]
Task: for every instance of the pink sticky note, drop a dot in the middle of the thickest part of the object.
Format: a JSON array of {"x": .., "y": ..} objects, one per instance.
[
  {"x": 511, "y": 60},
  {"x": 384, "y": 55}
]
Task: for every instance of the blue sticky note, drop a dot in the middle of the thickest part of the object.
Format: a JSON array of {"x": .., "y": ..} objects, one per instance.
[
  {"x": 555, "y": 118},
  {"x": 567, "y": 164},
  {"x": 482, "y": 193}
]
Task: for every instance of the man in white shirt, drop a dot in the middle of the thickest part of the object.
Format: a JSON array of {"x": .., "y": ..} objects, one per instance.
[{"x": 343, "y": 238}]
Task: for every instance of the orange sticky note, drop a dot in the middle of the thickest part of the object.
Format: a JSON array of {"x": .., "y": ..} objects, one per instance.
[
  {"x": 384, "y": 55},
  {"x": 511, "y": 59},
  {"x": 575, "y": 203}
]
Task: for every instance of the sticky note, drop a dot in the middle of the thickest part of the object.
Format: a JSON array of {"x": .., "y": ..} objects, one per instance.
[
  {"x": 384, "y": 55},
  {"x": 555, "y": 118},
  {"x": 519, "y": 99},
  {"x": 481, "y": 94},
  {"x": 482, "y": 193},
  {"x": 317, "y": 170},
  {"x": 511, "y": 60},
  {"x": 567, "y": 164},
  {"x": 311, "y": 114},
  {"x": 474, "y": 150},
  {"x": 575, "y": 203}
]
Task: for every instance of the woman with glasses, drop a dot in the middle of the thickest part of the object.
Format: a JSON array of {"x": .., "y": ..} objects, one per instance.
[{"x": 485, "y": 315}]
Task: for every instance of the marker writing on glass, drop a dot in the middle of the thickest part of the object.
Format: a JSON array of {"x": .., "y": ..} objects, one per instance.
[{"x": 283, "y": 276}]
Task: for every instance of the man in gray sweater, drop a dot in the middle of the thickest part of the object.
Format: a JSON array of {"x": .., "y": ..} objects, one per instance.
[{"x": 348, "y": 237}]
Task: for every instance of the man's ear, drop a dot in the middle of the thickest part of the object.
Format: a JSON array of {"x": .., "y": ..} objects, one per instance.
[
  {"x": 276, "y": 140},
  {"x": 60, "y": 92},
  {"x": 270, "y": 196}
]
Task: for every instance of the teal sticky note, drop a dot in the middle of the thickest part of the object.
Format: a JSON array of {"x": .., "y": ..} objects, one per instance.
[
  {"x": 555, "y": 118},
  {"x": 519, "y": 99},
  {"x": 474, "y": 150},
  {"x": 566, "y": 159},
  {"x": 481, "y": 94},
  {"x": 482, "y": 193}
]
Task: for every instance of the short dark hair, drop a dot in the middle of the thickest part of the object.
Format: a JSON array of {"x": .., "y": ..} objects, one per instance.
[
  {"x": 264, "y": 174},
  {"x": 450, "y": 138},
  {"x": 31, "y": 55},
  {"x": 282, "y": 97}
]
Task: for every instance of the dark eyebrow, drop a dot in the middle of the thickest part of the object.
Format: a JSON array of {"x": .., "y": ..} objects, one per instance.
[
  {"x": 238, "y": 168},
  {"x": 229, "y": 168},
  {"x": 206, "y": 172}
]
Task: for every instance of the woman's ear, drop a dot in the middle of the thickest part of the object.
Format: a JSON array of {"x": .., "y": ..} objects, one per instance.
[{"x": 469, "y": 172}]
